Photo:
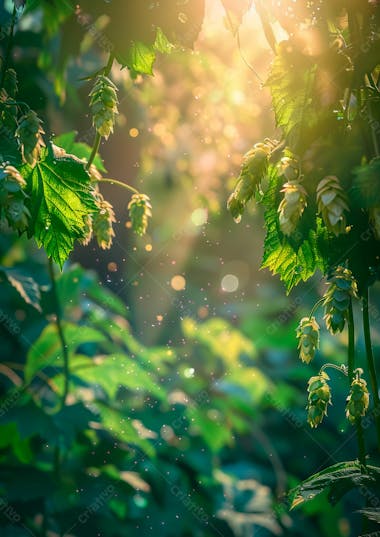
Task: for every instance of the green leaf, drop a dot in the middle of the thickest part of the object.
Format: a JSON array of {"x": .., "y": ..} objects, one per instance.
[
  {"x": 59, "y": 199},
  {"x": 79, "y": 287},
  {"x": 162, "y": 43},
  {"x": 25, "y": 286},
  {"x": 110, "y": 372},
  {"x": 47, "y": 350},
  {"x": 291, "y": 82},
  {"x": 79, "y": 149},
  {"x": 337, "y": 479},
  {"x": 139, "y": 58},
  {"x": 292, "y": 263},
  {"x": 121, "y": 427}
]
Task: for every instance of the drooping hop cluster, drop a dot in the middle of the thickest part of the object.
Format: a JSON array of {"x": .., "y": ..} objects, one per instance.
[
  {"x": 308, "y": 338},
  {"x": 12, "y": 198},
  {"x": 102, "y": 223},
  {"x": 140, "y": 210},
  {"x": 342, "y": 288},
  {"x": 358, "y": 398},
  {"x": 103, "y": 105},
  {"x": 374, "y": 218},
  {"x": 332, "y": 204},
  {"x": 291, "y": 206},
  {"x": 253, "y": 169},
  {"x": 319, "y": 398},
  {"x": 29, "y": 133}
]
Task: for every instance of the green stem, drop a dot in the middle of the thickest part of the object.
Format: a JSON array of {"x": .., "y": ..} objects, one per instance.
[
  {"x": 61, "y": 334},
  {"x": 371, "y": 364},
  {"x": 119, "y": 183},
  {"x": 351, "y": 367},
  {"x": 342, "y": 368},
  {"x": 9, "y": 47},
  {"x": 94, "y": 152},
  {"x": 316, "y": 305}
]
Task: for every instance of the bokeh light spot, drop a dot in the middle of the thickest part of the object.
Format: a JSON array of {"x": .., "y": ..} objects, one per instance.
[
  {"x": 178, "y": 283},
  {"x": 230, "y": 283}
]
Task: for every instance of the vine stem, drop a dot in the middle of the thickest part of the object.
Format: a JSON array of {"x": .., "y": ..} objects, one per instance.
[
  {"x": 342, "y": 368},
  {"x": 94, "y": 152},
  {"x": 371, "y": 364},
  {"x": 316, "y": 305},
  {"x": 9, "y": 47},
  {"x": 350, "y": 370},
  {"x": 119, "y": 183},
  {"x": 61, "y": 334}
]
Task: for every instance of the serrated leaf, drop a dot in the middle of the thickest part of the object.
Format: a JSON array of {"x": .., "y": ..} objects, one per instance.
[
  {"x": 24, "y": 284},
  {"x": 162, "y": 43},
  {"x": 79, "y": 149},
  {"x": 139, "y": 58},
  {"x": 59, "y": 199},
  {"x": 292, "y": 95},
  {"x": 293, "y": 263},
  {"x": 47, "y": 350},
  {"x": 337, "y": 479}
]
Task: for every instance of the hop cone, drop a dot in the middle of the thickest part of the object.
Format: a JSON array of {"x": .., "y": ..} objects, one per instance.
[
  {"x": 103, "y": 104},
  {"x": 292, "y": 206},
  {"x": 337, "y": 299},
  {"x": 29, "y": 133},
  {"x": 140, "y": 210},
  {"x": 87, "y": 230},
  {"x": 318, "y": 400},
  {"x": 290, "y": 168},
  {"x": 11, "y": 180},
  {"x": 374, "y": 218},
  {"x": 253, "y": 169},
  {"x": 102, "y": 222},
  {"x": 358, "y": 398},
  {"x": 332, "y": 204},
  {"x": 308, "y": 338},
  {"x": 17, "y": 214}
]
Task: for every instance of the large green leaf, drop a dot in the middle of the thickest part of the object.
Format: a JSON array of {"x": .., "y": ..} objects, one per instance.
[
  {"x": 291, "y": 82},
  {"x": 337, "y": 479},
  {"x": 292, "y": 262},
  {"x": 59, "y": 199},
  {"x": 113, "y": 371},
  {"x": 139, "y": 58},
  {"x": 47, "y": 350}
]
